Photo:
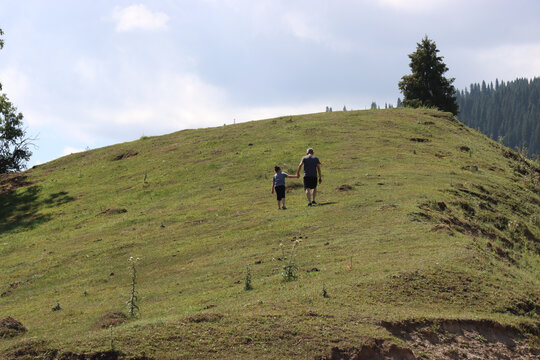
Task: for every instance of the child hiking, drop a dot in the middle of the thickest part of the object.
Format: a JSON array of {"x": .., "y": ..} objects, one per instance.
[{"x": 278, "y": 184}]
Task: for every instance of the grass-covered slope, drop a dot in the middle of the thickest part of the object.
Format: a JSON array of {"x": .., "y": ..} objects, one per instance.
[{"x": 422, "y": 223}]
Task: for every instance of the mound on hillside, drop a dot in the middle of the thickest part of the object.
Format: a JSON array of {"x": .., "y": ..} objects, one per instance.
[
  {"x": 425, "y": 243},
  {"x": 9, "y": 327}
]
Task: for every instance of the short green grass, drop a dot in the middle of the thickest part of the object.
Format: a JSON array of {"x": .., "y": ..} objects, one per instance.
[{"x": 199, "y": 210}]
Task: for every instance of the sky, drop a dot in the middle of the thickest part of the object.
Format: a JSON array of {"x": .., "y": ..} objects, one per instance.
[{"x": 91, "y": 73}]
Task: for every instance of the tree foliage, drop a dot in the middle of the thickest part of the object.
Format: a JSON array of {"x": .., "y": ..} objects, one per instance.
[
  {"x": 14, "y": 143},
  {"x": 506, "y": 111},
  {"x": 427, "y": 86}
]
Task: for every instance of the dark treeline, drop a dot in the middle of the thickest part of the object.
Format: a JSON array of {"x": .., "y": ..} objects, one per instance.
[{"x": 507, "y": 111}]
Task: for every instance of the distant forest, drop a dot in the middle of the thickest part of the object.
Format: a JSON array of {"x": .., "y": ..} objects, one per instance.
[{"x": 505, "y": 111}]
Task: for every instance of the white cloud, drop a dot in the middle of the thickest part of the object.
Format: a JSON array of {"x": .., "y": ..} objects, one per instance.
[
  {"x": 70, "y": 150},
  {"x": 312, "y": 30},
  {"x": 174, "y": 102},
  {"x": 170, "y": 102},
  {"x": 14, "y": 84},
  {"x": 507, "y": 62},
  {"x": 413, "y": 5},
  {"x": 297, "y": 24},
  {"x": 39, "y": 118},
  {"x": 267, "y": 112},
  {"x": 138, "y": 17},
  {"x": 87, "y": 69}
]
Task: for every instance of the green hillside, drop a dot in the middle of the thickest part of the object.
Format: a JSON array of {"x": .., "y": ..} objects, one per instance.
[{"x": 425, "y": 243}]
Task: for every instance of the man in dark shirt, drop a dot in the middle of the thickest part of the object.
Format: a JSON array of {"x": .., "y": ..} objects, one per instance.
[{"x": 312, "y": 166}]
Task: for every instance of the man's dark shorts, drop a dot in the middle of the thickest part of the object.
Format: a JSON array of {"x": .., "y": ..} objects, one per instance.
[
  {"x": 280, "y": 192},
  {"x": 310, "y": 182}
]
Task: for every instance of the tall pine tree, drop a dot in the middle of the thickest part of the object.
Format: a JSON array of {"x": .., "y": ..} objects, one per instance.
[{"x": 427, "y": 86}]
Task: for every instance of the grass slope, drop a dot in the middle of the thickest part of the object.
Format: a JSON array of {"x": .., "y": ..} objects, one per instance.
[{"x": 440, "y": 224}]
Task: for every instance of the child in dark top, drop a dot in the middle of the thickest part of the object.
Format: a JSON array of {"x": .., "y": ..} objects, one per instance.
[{"x": 278, "y": 183}]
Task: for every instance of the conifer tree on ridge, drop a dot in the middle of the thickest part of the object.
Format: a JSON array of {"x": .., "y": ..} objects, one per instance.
[{"x": 427, "y": 86}]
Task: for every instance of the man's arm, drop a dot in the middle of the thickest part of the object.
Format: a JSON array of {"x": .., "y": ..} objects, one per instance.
[
  {"x": 298, "y": 170},
  {"x": 273, "y": 184},
  {"x": 319, "y": 171}
]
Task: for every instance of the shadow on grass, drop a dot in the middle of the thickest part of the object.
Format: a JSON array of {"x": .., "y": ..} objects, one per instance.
[
  {"x": 327, "y": 203},
  {"x": 20, "y": 203}
]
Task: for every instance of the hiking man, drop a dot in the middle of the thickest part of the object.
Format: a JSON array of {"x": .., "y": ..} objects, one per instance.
[{"x": 312, "y": 166}]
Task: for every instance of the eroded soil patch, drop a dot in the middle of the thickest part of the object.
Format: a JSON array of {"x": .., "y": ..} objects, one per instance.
[
  {"x": 9, "y": 327},
  {"x": 111, "y": 318},
  {"x": 125, "y": 155},
  {"x": 11, "y": 182},
  {"x": 374, "y": 349},
  {"x": 112, "y": 211},
  {"x": 344, "y": 187},
  {"x": 487, "y": 212},
  {"x": 204, "y": 317},
  {"x": 462, "y": 339},
  {"x": 37, "y": 349}
]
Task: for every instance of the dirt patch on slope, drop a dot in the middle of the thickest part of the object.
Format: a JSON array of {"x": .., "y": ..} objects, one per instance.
[
  {"x": 111, "y": 318},
  {"x": 9, "y": 327},
  {"x": 101, "y": 355},
  {"x": 442, "y": 227},
  {"x": 11, "y": 182},
  {"x": 420, "y": 140},
  {"x": 204, "y": 317},
  {"x": 529, "y": 305},
  {"x": 446, "y": 339},
  {"x": 113, "y": 211},
  {"x": 125, "y": 155},
  {"x": 485, "y": 211},
  {"x": 37, "y": 349},
  {"x": 12, "y": 287},
  {"x": 463, "y": 339},
  {"x": 374, "y": 349}
]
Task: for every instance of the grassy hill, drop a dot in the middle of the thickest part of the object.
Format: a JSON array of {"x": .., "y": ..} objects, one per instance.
[{"x": 425, "y": 244}]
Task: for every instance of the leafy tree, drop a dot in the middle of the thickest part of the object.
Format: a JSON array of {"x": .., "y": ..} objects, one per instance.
[
  {"x": 427, "y": 86},
  {"x": 14, "y": 143}
]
